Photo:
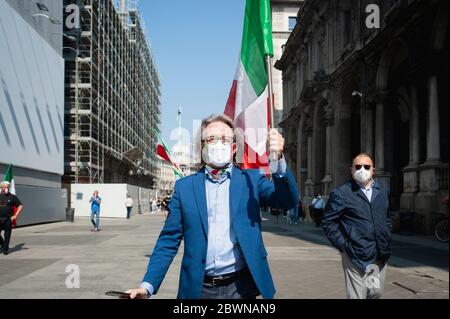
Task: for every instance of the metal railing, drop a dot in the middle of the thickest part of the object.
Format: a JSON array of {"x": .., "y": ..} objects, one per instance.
[{"x": 442, "y": 177}]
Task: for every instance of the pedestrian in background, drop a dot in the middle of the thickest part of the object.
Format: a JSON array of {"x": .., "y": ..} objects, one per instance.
[
  {"x": 276, "y": 212},
  {"x": 317, "y": 206},
  {"x": 358, "y": 222},
  {"x": 293, "y": 215},
  {"x": 95, "y": 211},
  {"x": 8, "y": 202},
  {"x": 154, "y": 206},
  {"x": 301, "y": 211},
  {"x": 129, "y": 204}
]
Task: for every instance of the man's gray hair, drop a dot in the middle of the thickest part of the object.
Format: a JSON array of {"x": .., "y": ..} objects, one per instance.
[
  {"x": 216, "y": 118},
  {"x": 199, "y": 138}
]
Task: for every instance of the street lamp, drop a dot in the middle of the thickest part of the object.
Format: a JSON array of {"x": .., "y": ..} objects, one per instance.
[
  {"x": 54, "y": 21},
  {"x": 138, "y": 173},
  {"x": 41, "y": 6},
  {"x": 70, "y": 37}
]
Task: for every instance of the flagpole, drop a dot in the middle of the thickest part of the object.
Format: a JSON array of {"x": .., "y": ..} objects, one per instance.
[
  {"x": 272, "y": 156},
  {"x": 269, "y": 76}
]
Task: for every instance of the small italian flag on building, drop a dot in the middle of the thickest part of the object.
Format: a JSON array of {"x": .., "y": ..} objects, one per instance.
[{"x": 164, "y": 153}]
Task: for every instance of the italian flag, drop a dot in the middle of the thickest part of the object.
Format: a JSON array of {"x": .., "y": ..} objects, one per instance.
[
  {"x": 248, "y": 103},
  {"x": 9, "y": 177},
  {"x": 164, "y": 153}
]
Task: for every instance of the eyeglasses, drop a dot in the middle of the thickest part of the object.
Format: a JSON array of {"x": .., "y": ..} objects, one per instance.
[
  {"x": 212, "y": 140},
  {"x": 366, "y": 167}
]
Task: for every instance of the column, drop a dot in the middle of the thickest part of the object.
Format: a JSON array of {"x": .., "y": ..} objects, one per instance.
[
  {"x": 367, "y": 128},
  {"x": 328, "y": 179},
  {"x": 382, "y": 176},
  {"x": 411, "y": 172},
  {"x": 414, "y": 133},
  {"x": 379, "y": 136},
  {"x": 310, "y": 157},
  {"x": 428, "y": 198},
  {"x": 329, "y": 149},
  {"x": 433, "y": 138},
  {"x": 309, "y": 184}
]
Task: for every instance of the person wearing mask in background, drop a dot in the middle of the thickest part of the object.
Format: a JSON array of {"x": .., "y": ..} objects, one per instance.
[
  {"x": 217, "y": 213},
  {"x": 318, "y": 205},
  {"x": 358, "y": 222},
  {"x": 8, "y": 202},
  {"x": 95, "y": 211}
]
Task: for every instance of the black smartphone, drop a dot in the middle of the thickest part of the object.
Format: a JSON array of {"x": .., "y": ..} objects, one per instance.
[{"x": 120, "y": 294}]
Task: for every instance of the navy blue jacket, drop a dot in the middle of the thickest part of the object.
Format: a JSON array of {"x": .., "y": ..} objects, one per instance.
[
  {"x": 188, "y": 220},
  {"x": 358, "y": 227}
]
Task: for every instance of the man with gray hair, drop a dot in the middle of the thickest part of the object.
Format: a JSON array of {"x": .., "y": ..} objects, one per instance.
[
  {"x": 8, "y": 202},
  {"x": 216, "y": 212}
]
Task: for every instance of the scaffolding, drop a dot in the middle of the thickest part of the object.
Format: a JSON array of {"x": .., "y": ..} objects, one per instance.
[{"x": 112, "y": 96}]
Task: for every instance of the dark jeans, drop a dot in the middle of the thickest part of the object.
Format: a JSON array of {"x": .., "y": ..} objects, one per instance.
[
  {"x": 129, "y": 212},
  {"x": 5, "y": 225},
  {"x": 243, "y": 287},
  {"x": 318, "y": 216}
]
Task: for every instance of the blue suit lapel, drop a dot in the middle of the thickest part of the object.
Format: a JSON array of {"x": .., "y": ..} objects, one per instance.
[
  {"x": 359, "y": 192},
  {"x": 200, "y": 197},
  {"x": 375, "y": 191},
  {"x": 237, "y": 182}
]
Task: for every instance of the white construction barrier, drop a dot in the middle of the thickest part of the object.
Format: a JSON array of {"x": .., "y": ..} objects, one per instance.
[{"x": 113, "y": 199}]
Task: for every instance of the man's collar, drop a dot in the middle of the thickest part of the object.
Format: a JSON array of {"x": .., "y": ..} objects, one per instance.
[
  {"x": 218, "y": 174},
  {"x": 371, "y": 186}
]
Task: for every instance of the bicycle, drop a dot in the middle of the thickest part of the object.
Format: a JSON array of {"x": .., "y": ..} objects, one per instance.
[{"x": 441, "y": 230}]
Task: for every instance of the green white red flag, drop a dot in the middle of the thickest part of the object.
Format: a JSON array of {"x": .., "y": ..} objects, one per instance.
[
  {"x": 9, "y": 177},
  {"x": 248, "y": 103},
  {"x": 164, "y": 153}
]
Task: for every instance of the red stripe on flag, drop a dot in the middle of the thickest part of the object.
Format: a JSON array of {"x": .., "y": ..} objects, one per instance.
[
  {"x": 231, "y": 103},
  {"x": 162, "y": 153}
]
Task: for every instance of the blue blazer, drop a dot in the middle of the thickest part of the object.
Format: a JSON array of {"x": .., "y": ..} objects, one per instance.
[{"x": 188, "y": 220}]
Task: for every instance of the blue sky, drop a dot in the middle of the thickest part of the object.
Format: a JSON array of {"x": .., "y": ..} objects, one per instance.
[{"x": 196, "y": 46}]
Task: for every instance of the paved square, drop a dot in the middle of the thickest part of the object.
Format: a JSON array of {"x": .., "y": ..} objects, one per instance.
[{"x": 303, "y": 264}]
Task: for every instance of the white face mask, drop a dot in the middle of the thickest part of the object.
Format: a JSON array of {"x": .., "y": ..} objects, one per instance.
[
  {"x": 218, "y": 155},
  {"x": 5, "y": 191},
  {"x": 362, "y": 175}
]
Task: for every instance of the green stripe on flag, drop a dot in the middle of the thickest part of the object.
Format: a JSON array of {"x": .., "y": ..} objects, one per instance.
[
  {"x": 257, "y": 42},
  {"x": 9, "y": 174},
  {"x": 9, "y": 177}
]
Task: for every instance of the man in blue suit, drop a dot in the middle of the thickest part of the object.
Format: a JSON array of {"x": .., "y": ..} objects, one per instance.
[{"x": 217, "y": 213}]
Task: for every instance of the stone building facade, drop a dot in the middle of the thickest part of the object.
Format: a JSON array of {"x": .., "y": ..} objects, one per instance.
[
  {"x": 284, "y": 13},
  {"x": 349, "y": 88}
]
